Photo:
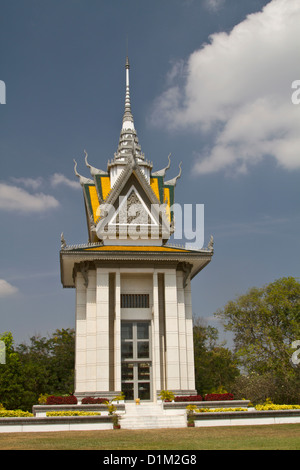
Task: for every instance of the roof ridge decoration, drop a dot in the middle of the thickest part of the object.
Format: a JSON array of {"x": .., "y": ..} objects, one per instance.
[
  {"x": 123, "y": 178},
  {"x": 173, "y": 181},
  {"x": 94, "y": 171},
  {"x": 162, "y": 172},
  {"x": 82, "y": 179}
]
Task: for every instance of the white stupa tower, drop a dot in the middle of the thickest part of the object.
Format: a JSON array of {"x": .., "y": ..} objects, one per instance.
[{"x": 134, "y": 330}]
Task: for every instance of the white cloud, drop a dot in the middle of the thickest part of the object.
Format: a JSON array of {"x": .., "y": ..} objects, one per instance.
[
  {"x": 214, "y": 5},
  {"x": 58, "y": 178},
  {"x": 29, "y": 182},
  {"x": 17, "y": 199},
  {"x": 238, "y": 90},
  {"x": 7, "y": 289}
]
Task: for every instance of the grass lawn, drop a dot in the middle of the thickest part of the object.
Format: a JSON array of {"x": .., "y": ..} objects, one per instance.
[{"x": 266, "y": 437}]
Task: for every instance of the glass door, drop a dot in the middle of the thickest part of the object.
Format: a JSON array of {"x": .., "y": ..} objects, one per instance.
[{"x": 136, "y": 360}]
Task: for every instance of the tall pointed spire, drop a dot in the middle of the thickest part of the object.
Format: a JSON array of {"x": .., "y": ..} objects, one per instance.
[
  {"x": 128, "y": 142},
  {"x": 128, "y": 117},
  {"x": 129, "y": 149}
]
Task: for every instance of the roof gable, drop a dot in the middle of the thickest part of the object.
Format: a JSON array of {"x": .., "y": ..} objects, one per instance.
[{"x": 132, "y": 210}]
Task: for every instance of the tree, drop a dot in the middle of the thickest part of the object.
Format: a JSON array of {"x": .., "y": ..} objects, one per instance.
[
  {"x": 49, "y": 362},
  {"x": 44, "y": 366},
  {"x": 62, "y": 363},
  {"x": 265, "y": 322},
  {"x": 215, "y": 366},
  {"x": 10, "y": 387}
]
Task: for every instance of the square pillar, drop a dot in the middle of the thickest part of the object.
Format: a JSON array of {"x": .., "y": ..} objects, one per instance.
[
  {"x": 189, "y": 336},
  {"x": 171, "y": 325},
  {"x": 91, "y": 344},
  {"x": 102, "y": 330},
  {"x": 80, "y": 339},
  {"x": 156, "y": 340},
  {"x": 182, "y": 337},
  {"x": 117, "y": 332}
]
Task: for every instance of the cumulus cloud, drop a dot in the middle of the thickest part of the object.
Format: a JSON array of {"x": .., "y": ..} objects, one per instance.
[
  {"x": 7, "y": 289},
  {"x": 18, "y": 199},
  {"x": 237, "y": 90},
  {"x": 59, "y": 178}
]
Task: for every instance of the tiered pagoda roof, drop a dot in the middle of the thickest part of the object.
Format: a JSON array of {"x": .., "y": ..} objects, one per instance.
[
  {"x": 128, "y": 178},
  {"x": 103, "y": 186}
]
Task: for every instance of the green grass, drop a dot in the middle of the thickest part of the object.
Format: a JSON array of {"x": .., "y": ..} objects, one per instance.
[{"x": 266, "y": 437}]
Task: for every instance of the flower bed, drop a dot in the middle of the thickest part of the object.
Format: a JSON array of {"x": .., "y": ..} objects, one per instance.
[
  {"x": 217, "y": 410},
  {"x": 61, "y": 400},
  {"x": 188, "y": 398},
  {"x": 272, "y": 406},
  {"x": 94, "y": 401},
  {"x": 218, "y": 396},
  {"x": 15, "y": 414},
  {"x": 72, "y": 413}
]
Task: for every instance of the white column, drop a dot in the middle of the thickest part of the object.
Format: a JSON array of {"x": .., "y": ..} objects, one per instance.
[
  {"x": 189, "y": 336},
  {"x": 172, "y": 343},
  {"x": 117, "y": 332},
  {"x": 155, "y": 339},
  {"x": 102, "y": 329},
  {"x": 182, "y": 339},
  {"x": 91, "y": 332},
  {"x": 80, "y": 339}
]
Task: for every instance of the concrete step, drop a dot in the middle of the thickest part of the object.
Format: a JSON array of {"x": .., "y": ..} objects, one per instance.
[{"x": 150, "y": 416}]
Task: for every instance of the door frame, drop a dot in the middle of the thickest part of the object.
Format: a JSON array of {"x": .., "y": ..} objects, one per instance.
[{"x": 134, "y": 360}]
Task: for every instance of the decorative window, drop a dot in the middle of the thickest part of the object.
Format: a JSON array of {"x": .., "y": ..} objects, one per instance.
[{"x": 134, "y": 300}]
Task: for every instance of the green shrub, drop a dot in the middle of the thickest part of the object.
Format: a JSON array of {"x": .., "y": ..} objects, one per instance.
[
  {"x": 166, "y": 395},
  {"x": 43, "y": 399}
]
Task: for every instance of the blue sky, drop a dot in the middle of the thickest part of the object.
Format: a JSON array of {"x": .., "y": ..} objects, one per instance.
[{"x": 210, "y": 83}]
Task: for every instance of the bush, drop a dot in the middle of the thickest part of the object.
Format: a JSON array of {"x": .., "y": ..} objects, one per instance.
[
  {"x": 94, "y": 401},
  {"x": 166, "y": 395},
  {"x": 61, "y": 400},
  {"x": 218, "y": 396},
  {"x": 43, "y": 398},
  {"x": 189, "y": 398}
]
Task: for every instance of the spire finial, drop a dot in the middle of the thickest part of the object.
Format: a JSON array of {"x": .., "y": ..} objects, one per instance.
[{"x": 127, "y": 118}]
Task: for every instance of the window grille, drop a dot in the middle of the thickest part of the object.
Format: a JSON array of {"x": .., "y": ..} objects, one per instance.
[{"x": 134, "y": 300}]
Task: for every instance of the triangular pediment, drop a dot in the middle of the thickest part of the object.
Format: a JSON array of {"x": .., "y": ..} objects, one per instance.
[{"x": 132, "y": 211}]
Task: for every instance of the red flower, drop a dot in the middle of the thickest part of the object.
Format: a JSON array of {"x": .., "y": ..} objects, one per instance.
[
  {"x": 58, "y": 400},
  {"x": 218, "y": 396}
]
